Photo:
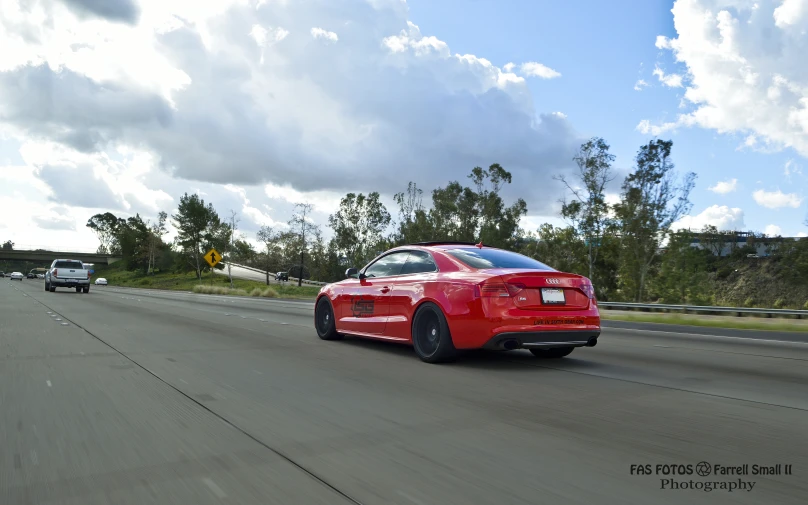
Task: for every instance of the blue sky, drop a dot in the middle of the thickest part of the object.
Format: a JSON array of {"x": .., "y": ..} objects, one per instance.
[
  {"x": 259, "y": 105},
  {"x": 602, "y": 49}
]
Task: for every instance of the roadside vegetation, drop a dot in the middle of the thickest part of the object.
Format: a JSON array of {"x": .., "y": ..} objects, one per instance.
[
  {"x": 629, "y": 249},
  {"x": 740, "y": 323},
  {"x": 209, "y": 284}
]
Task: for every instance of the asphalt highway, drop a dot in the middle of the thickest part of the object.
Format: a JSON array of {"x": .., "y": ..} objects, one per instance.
[{"x": 127, "y": 396}]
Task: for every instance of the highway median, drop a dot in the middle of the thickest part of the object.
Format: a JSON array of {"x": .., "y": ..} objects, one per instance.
[{"x": 209, "y": 284}]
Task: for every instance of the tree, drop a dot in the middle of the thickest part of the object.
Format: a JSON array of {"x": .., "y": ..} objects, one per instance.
[
  {"x": 132, "y": 237},
  {"x": 472, "y": 214},
  {"x": 588, "y": 211},
  {"x": 414, "y": 222},
  {"x": 196, "y": 224},
  {"x": 268, "y": 237},
  {"x": 359, "y": 225},
  {"x": 651, "y": 202},
  {"x": 8, "y": 245},
  {"x": 497, "y": 225},
  {"x": 304, "y": 228},
  {"x": 157, "y": 230},
  {"x": 106, "y": 227}
]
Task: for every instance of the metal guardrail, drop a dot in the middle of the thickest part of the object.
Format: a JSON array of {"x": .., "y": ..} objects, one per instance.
[
  {"x": 263, "y": 272},
  {"x": 738, "y": 311}
]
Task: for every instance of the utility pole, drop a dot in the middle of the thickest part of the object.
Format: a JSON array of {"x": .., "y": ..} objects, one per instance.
[{"x": 231, "y": 246}]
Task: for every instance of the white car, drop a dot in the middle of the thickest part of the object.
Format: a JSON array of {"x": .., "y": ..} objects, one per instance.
[
  {"x": 101, "y": 281},
  {"x": 16, "y": 275}
]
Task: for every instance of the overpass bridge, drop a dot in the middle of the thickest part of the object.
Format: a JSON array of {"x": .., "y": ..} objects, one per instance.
[{"x": 41, "y": 255}]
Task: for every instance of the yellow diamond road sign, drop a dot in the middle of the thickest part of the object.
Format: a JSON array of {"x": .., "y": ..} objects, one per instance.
[{"x": 213, "y": 257}]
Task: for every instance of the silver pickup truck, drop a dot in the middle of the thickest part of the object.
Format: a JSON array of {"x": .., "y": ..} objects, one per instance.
[{"x": 67, "y": 274}]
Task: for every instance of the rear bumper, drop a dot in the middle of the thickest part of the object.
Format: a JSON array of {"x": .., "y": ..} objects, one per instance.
[
  {"x": 69, "y": 283},
  {"x": 542, "y": 339}
]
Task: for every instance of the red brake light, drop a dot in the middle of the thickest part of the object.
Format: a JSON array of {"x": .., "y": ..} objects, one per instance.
[
  {"x": 587, "y": 287},
  {"x": 498, "y": 289},
  {"x": 56, "y": 272}
]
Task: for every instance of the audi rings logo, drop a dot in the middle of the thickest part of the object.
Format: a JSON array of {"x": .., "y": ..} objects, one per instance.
[{"x": 553, "y": 281}]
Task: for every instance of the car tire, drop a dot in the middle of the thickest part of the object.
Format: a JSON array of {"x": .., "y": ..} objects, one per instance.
[
  {"x": 555, "y": 353},
  {"x": 78, "y": 290},
  {"x": 431, "y": 338},
  {"x": 86, "y": 290},
  {"x": 47, "y": 288},
  {"x": 52, "y": 288},
  {"x": 324, "y": 321}
]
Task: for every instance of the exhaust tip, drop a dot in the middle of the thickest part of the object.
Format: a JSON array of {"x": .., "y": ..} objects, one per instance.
[
  {"x": 510, "y": 345},
  {"x": 592, "y": 342}
]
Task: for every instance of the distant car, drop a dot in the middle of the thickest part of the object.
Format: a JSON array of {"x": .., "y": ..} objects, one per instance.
[
  {"x": 2, "y": 274},
  {"x": 440, "y": 297},
  {"x": 40, "y": 276},
  {"x": 282, "y": 276},
  {"x": 100, "y": 282},
  {"x": 16, "y": 275},
  {"x": 30, "y": 275}
]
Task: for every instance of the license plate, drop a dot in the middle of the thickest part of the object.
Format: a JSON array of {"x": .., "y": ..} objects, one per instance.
[{"x": 552, "y": 296}]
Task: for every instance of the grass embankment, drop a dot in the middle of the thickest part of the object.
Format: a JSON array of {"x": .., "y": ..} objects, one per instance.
[
  {"x": 740, "y": 323},
  {"x": 210, "y": 284}
]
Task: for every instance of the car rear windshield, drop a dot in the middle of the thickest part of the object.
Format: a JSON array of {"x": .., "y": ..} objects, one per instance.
[
  {"x": 69, "y": 264},
  {"x": 496, "y": 258}
]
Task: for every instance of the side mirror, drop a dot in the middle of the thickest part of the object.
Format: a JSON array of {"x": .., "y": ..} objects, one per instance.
[{"x": 351, "y": 272}]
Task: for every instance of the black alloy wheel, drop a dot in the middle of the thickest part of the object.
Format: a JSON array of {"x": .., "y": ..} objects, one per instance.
[
  {"x": 430, "y": 335},
  {"x": 324, "y": 321}
]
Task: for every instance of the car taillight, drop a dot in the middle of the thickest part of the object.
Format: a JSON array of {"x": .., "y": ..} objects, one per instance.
[
  {"x": 88, "y": 274},
  {"x": 587, "y": 287},
  {"x": 497, "y": 289},
  {"x": 55, "y": 272}
]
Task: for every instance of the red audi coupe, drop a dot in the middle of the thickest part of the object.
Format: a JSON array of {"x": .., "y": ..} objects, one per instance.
[{"x": 443, "y": 296}]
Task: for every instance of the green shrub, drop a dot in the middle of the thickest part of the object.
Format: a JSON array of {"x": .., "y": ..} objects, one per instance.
[{"x": 779, "y": 303}]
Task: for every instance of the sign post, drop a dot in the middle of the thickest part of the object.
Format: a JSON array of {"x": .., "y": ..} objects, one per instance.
[{"x": 213, "y": 258}]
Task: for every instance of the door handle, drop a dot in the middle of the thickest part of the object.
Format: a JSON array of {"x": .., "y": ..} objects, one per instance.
[{"x": 385, "y": 289}]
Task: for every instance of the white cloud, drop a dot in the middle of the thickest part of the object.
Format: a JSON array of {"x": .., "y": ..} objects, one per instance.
[
  {"x": 722, "y": 217},
  {"x": 640, "y": 84},
  {"x": 534, "y": 69},
  {"x": 724, "y": 187},
  {"x": 773, "y": 230},
  {"x": 802, "y": 234},
  {"x": 745, "y": 69},
  {"x": 319, "y": 33},
  {"x": 776, "y": 199},
  {"x": 193, "y": 95},
  {"x": 670, "y": 80},
  {"x": 791, "y": 168}
]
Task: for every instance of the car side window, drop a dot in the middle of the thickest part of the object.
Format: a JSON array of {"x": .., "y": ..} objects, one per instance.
[
  {"x": 419, "y": 262},
  {"x": 387, "y": 265}
]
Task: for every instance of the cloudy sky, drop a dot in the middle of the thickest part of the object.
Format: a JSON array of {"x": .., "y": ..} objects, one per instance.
[{"x": 124, "y": 105}]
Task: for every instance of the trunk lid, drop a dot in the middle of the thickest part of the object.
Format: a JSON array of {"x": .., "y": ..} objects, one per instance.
[{"x": 545, "y": 290}]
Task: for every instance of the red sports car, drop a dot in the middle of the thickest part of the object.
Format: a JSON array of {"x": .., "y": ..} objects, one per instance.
[{"x": 444, "y": 296}]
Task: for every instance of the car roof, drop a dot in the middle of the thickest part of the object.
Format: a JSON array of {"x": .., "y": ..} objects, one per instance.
[{"x": 447, "y": 244}]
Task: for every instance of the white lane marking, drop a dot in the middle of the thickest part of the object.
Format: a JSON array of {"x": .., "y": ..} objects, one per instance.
[
  {"x": 65, "y": 324},
  {"x": 58, "y": 319},
  {"x": 34, "y": 458},
  {"x": 213, "y": 487},
  {"x": 705, "y": 335},
  {"x": 259, "y": 373},
  {"x": 664, "y": 346},
  {"x": 49, "y": 383},
  {"x": 183, "y": 381}
]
